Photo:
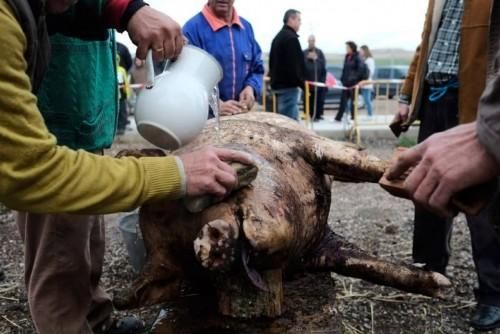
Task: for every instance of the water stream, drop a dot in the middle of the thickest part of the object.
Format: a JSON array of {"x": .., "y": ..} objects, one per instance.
[{"x": 214, "y": 102}]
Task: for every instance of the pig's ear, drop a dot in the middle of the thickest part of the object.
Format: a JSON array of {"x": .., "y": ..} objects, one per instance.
[{"x": 148, "y": 152}]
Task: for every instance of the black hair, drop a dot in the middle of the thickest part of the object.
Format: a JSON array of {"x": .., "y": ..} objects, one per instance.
[
  {"x": 353, "y": 46},
  {"x": 289, "y": 14}
]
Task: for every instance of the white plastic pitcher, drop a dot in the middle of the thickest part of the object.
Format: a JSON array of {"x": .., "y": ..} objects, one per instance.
[{"x": 173, "y": 109}]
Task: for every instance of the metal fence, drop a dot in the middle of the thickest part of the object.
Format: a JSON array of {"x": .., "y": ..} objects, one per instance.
[{"x": 386, "y": 94}]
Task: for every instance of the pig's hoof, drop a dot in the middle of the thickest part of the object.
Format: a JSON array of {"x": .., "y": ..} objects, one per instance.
[
  {"x": 443, "y": 285},
  {"x": 215, "y": 247}
]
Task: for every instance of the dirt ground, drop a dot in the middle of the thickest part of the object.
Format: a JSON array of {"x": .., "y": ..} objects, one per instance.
[{"x": 314, "y": 303}]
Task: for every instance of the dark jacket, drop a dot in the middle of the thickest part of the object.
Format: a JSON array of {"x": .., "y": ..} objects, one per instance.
[
  {"x": 315, "y": 70},
  {"x": 286, "y": 60},
  {"x": 488, "y": 120},
  {"x": 352, "y": 71}
]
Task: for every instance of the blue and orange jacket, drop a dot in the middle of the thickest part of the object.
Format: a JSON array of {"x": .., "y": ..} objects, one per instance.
[{"x": 234, "y": 46}]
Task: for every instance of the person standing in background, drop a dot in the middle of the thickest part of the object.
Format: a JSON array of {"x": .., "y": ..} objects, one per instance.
[
  {"x": 287, "y": 66},
  {"x": 367, "y": 90},
  {"x": 125, "y": 62},
  {"x": 219, "y": 30},
  {"x": 351, "y": 76},
  {"x": 315, "y": 65},
  {"x": 125, "y": 56},
  {"x": 123, "y": 95}
]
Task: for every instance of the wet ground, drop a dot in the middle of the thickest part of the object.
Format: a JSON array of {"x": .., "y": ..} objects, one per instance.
[{"x": 320, "y": 303}]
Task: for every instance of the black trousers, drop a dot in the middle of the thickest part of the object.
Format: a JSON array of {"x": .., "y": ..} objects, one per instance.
[
  {"x": 432, "y": 234},
  {"x": 122, "y": 115},
  {"x": 320, "y": 101},
  {"x": 347, "y": 95}
]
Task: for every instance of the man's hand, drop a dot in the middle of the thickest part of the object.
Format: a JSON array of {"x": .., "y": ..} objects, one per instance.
[
  {"x": 247, "y": 98},
  {"x": 207, "y": 172},
  {"x": 151, "y": 29},
  {"x": 445, "y": 164},
  {"x": 402, "y": 113},
  {"x": 231, "y": 107}
]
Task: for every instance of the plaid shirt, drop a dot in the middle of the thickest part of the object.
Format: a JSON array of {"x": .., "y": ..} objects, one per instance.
[{"x": 442, "y": 65}]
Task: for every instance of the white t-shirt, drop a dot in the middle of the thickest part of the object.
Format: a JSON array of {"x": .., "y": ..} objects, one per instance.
[{"x": 370, "y": 63}]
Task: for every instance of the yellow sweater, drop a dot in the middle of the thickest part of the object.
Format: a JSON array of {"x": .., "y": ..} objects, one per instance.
[{"x": 38, "y": 176}]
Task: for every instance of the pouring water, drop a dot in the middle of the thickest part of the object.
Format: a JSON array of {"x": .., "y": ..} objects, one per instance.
[{"x": 214, "y": 102}]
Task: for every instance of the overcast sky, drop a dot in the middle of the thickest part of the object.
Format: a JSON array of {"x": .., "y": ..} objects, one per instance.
[{"x": 378, "y": 23}]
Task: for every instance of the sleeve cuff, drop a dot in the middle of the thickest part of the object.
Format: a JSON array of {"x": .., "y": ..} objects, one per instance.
[
  {"x": 182, "y": 173},
  {"x": 163, "y": 178},
  {"x": 132, "y": 8},
  {"x": 250, "y": 84},
  {"x": 488, "y": 138},
  {"x": 404, "y": 99}
]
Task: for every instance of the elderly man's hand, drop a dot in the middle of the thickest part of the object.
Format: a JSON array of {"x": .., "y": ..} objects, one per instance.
[
  {"x": 151, "y": 29},
  {"x": 231, "y": 107},
  {"x": 207, "y": 172},
  {"x": 445, "y": 164},
  {"x": 247, "y": 98}
]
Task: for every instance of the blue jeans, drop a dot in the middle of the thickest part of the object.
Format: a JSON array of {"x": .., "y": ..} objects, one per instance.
[
  {"x": 288, "y": 102},
  {"x": 367, "y": 98}
]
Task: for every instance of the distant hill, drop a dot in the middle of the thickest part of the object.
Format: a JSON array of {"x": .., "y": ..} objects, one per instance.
[{"x": 382, "y": 57}]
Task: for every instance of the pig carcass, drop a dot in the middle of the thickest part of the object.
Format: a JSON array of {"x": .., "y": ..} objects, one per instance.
[{"x": 240, "y": 248}]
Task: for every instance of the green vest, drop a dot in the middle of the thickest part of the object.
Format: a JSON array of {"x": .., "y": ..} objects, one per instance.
[{"x": 78, "y": 97}]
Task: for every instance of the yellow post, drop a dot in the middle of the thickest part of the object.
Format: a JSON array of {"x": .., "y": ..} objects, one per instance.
[{"x": 307, "y": 97}]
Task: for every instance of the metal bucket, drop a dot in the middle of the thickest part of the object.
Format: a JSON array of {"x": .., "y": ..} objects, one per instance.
[{"x": 129, "y": 227}]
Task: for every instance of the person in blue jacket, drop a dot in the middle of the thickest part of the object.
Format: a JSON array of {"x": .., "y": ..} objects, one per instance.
[{"x": 219, "y": 30}]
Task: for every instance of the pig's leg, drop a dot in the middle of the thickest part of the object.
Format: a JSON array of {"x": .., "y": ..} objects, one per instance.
[
  {"x": 337, "y": 255},
  {"x": 345, "y": 162}
]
